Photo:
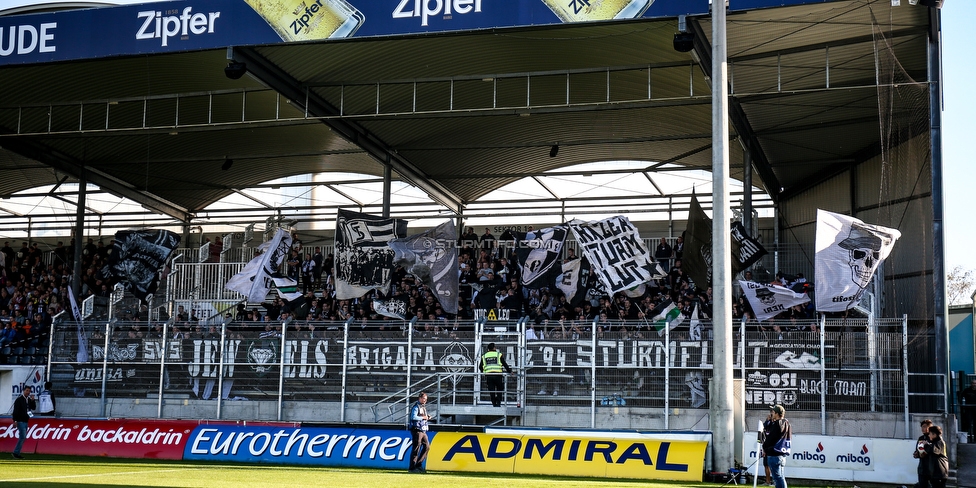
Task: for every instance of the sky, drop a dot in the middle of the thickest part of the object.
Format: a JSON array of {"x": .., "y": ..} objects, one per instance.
[{"x": 959, "y": 74}]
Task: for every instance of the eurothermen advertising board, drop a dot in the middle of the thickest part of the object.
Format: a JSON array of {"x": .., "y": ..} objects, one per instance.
[{"x": 173, "y": 26}]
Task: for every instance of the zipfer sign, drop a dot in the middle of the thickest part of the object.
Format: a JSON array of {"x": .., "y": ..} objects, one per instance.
[{"x": 639, "y": 458}]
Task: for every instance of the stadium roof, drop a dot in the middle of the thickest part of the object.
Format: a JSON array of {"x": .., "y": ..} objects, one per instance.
[{"x": 461, "y": 114}]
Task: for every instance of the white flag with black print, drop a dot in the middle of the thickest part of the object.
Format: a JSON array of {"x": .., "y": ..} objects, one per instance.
[
  {"x": 432, "y": 257},
  {"x": 254, "y": 281},
  {"x": 695, "y": 326},
  {"x": 572, "y": 281},
  {"x": 768, "y": 301},
  {"x": 849, "y": 252},
  {"x": 393, "y": 307},
  {"x": 614, "y": 248}
]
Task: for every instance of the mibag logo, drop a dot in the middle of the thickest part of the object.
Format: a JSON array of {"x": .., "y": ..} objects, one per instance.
[
  {"x": 432, "y": 8},
  {"x": 861, "y": 458},
  {"x": 165, "y": 25}
]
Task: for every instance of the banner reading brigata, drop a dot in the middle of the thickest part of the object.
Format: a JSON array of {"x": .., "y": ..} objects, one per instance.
[{"x": 568, "y": 455}]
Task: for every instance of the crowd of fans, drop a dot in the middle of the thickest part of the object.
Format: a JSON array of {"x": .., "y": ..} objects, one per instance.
[
  {"x": 32, "y": 292},
  {"x": 489, "y": 278}
]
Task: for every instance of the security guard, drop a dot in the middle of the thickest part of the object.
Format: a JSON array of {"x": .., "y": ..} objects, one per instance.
[{"x": 494, "y": 367}]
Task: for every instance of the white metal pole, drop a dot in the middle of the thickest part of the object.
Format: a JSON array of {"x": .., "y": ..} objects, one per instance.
[
  {"x": 720, "y": 410},
  {"x": 593, "y": 375}
]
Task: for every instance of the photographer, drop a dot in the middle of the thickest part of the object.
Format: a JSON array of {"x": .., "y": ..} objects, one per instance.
[{"x": 21, "y": 416}]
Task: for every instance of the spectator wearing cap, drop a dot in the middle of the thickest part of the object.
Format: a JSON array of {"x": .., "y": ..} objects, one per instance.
[{"x": 777, "y": 444}]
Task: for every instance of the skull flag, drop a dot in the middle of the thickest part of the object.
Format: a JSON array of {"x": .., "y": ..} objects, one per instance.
[
  {"x": 848, "y": 254},
  {"x": 768, "y": 301}
]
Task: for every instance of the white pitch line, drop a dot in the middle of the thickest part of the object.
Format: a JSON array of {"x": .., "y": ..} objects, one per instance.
[{"x": 90, "y": 475}]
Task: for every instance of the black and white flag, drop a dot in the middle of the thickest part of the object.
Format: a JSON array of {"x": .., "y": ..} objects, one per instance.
[
  {"x": 254, "y": 281},
  {"x": 539, "y": 253},
  {"x": 697, "y": 258},
  {"x": 746, "y": 251},
  {"x": 616, "y": 252},
  {"x": 848, "y": 254},
  {"x": 363, "y": 259},
  {"x": 768, "y": 301},
  {"x": 695, "y": 331},
  {"x": 82, "y": 353},
  {"x": 572, "y": 281},
  {"x": 432, "y": 257},
  {"x": 287, "y": 289},
  {"x": 393, "y": 307},
  {"x": 137, "y": 257}
]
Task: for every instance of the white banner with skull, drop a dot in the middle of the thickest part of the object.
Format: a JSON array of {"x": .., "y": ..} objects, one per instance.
[
  {"x": 768, "y": 301},
  {"x": 848, "y": 254}
]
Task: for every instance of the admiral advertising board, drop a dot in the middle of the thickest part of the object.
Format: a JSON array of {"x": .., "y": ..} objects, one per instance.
[
  {"x": 568, "y": 454},
  {"x": 846, "y": 458},
  {"x": 172, "y": 26}
]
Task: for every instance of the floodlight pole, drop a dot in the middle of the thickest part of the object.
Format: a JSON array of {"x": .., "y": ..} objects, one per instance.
[{"x": 720, "y": 406}]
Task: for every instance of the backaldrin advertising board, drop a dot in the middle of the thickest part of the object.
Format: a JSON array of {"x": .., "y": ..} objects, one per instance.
[
  {"x": 568, "y": 455},
  {"x": 141, "y": 439},
  {"x": 563, "y": 454}
]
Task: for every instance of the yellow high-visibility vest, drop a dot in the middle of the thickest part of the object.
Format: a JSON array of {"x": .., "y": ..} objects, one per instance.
[{"x": 491, "y": 362}]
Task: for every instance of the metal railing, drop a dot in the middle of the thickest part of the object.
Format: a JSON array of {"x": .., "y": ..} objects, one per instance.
[{"x": 827, "y": 366}]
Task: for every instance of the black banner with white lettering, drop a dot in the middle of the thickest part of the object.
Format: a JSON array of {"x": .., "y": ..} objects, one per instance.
[
  {"x": 746, "y": 251},
  {"x": 782, "y": 368}
]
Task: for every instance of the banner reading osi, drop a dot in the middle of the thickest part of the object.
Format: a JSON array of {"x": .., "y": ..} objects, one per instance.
[{"x": 644, "y": 457}]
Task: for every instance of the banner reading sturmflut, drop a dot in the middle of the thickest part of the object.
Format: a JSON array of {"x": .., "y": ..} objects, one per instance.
[
  {"x": 848, "y": 253},
  {"x": 615, "y": 250},
  {"x": 254, "y": 280},
  {"x": 364, "y": 260},
  {"x": 768, "y": 301},
  {"x": 432, "y": 257},
  {"x": 138, "y": 256}
]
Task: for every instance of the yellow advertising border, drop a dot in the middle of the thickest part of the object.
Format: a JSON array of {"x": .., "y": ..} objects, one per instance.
[{"x": 583, "y": 456}]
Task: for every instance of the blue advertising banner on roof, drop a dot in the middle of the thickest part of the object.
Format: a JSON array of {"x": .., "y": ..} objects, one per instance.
[{"x": 173, "y": 26}]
